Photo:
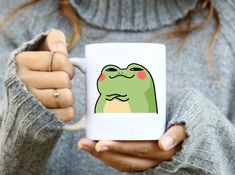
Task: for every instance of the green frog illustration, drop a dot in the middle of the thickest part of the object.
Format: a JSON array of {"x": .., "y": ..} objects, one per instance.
[{"x": 128, "y": 90}]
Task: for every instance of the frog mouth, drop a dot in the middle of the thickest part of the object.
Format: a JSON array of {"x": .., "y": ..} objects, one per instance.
[{"x": 121, "y": 75}]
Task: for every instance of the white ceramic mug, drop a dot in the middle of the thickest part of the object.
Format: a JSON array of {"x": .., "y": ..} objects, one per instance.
[{"x": 125, "y": 91}]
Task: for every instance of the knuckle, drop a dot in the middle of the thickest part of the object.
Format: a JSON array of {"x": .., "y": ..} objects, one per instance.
[
  {"x": 61, "y": 61},
  {"x": 71, "y": 70},
  {"x": 64, "y": 64},
  {"x": 68, "y": 98},
  {"x": 64, "y": 80},
  {"x": 70, "y": 113}
]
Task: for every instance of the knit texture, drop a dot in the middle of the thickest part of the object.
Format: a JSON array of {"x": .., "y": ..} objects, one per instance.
[
  {"x": 135, "y": 15},
  {"x": 31, "y": 138}
]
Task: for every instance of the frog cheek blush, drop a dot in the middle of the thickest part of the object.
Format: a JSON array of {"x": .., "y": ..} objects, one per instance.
[
  {"x": 102, "y": 77},
  {"x": 141, "y": 75}
]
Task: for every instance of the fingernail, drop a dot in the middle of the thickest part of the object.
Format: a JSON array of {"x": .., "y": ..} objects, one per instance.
[
  {"x": 102, "y": 148},
  {"x": 61, "y": 48},
  {"x": 85, "y": 148},
  {"x": 167, "y": 142}
]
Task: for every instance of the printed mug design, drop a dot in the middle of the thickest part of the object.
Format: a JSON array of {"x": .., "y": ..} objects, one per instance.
[{"x": 127, "y": 90}]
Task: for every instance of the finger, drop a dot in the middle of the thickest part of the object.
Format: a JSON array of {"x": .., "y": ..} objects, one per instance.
[
  {"x": 87, "y": 144},
  {"x": 46, "y": 97},
  {"x": 143, "y": 149},
  {"x": 126, "y": 163},
  {"x": 172, "y": 137},
  {"x": 46, "y": 80},
  {"x": 121, "y": 162},
  {"x": 55, "y": 41},
  {"x": 65, "y": 114},
  {"x": 39, "y": 61}
]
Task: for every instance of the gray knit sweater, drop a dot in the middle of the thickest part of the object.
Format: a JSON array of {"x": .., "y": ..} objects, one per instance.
[{"x": 31, "y": 139}]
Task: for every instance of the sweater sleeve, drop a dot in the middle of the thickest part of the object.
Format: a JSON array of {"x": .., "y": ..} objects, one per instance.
[
  {"x": 28, "y": 130},
  {"x": 209, "y": 148}
]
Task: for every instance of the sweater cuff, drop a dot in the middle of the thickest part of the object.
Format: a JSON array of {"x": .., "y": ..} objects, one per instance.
[
  {"x": 191, "y": 108},
  {"x": 32, "y": 116}
]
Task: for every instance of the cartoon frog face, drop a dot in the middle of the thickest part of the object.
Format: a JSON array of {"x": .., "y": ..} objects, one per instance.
[
  {"x": 133, "y": 80},
  {"x": 126, "y": 90}
]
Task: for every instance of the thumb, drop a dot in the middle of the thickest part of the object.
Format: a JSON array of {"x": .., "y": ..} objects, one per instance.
[
  {"x": 172, "y": 137},
  {"x": 55, "y": 41}
]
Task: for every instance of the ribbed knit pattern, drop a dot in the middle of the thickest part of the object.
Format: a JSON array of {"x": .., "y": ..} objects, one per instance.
[
  {"x": 134, "y": 15},
  {"x": 31, "y": 140},
  {"x": 204, "y": 150}
]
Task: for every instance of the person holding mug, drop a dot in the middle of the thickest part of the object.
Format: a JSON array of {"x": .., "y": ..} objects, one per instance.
[{"x": 38, "y": 101}]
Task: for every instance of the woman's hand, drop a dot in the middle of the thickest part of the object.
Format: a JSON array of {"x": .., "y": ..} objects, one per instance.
[
  {"x": 131, "y": 156},
  {"x": 33, "y": 70}
]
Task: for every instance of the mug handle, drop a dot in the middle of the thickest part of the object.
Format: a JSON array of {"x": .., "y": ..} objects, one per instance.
[{"x": 79, "y": 63}]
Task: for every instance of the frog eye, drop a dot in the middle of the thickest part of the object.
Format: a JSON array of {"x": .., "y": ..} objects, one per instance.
[
  {"x": 136, "y": 69},
  {"x": 111, "y": 69}
]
